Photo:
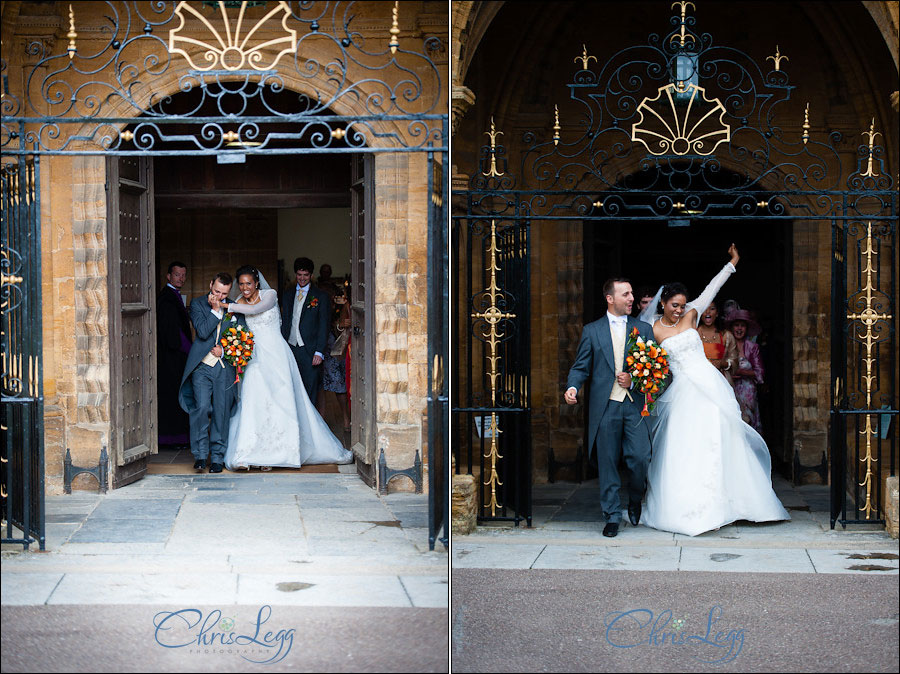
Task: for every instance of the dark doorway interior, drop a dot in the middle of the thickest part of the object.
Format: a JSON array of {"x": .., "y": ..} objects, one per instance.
[
  {"x": 265, "y": 211},
  {"x": 654, "y": 252}
]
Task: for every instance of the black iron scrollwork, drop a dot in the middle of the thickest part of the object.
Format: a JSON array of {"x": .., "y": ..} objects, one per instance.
[{"x": 320, "y": 86}]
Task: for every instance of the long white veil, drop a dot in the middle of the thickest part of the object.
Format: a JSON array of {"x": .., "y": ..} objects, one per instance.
[{"x": 651, "y": 314}]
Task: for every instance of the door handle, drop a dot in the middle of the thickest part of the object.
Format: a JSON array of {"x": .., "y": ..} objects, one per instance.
[{"x": 357, "y": 330}]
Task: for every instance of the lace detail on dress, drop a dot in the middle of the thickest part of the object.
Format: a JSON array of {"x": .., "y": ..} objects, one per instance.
[
  {"x": 267, "y": 319},
  {"x": 683, "y": 348}
]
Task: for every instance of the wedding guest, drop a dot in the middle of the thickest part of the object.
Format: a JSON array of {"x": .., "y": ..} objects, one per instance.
[
  {"x": 173, "y": 343},
  {"x": 749, "y": 372},
  {"x": 334, "y": 372},
  {"x": 719, "y": 345},
  {"x": 326, "y": 282},
  {"x": 642, "y": 298}
]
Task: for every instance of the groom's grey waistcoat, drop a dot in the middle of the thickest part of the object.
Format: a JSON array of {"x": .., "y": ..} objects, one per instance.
[{"x": 594, "y": 359}]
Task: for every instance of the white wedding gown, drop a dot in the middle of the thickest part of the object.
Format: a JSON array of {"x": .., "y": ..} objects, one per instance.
[
  {"x": 276, "y": 424},
  {"x": 708, "y": 467}
]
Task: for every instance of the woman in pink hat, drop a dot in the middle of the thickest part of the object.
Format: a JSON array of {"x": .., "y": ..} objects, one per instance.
[{"x": 749, "y": 373}]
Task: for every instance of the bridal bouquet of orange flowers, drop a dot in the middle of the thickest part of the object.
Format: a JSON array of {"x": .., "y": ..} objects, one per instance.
[
  {"x": 648, "y": 365},
  {"x": 237, "y": 341}
]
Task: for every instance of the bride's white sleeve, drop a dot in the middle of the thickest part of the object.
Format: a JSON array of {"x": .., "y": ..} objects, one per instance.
[
  {"x": 710, "y": 292},
  {"x": 267, "y": 300}
]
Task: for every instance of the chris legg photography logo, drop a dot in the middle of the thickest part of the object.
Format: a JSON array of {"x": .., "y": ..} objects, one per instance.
[
  {"x": 710, "y": 640},
  {"x": 212, "y": 633}
]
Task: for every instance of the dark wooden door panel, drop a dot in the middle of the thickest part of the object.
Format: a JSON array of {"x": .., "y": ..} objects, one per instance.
[
  {"x": 131, "y": 286},
  {"x": 362, "y": 388}
]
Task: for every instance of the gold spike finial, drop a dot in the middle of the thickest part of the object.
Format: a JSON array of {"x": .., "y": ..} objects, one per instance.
[
  {"x": 778, "y": 58},
  {"x": 556, "y": 126},
  {"x": 584, "y": 58},
  {"x": 71, "y": 34},
  {"x": 493, "y": 136},
  {"x": 395, "y": 29},
  {"x": 871, "y": 133},
  {"x": 806, "y": 126}
]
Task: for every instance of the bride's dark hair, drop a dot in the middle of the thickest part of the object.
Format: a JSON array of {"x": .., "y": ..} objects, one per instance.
[
  {"x": 671, "y": 289},
  {"x": 248, "y": 269}
]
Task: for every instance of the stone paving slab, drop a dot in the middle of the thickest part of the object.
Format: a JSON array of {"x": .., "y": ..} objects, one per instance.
[
  {"x": 474, "y": 555},
  {"x": 154, "y": 562},
  {"x": 843, "y": 561},
  {"x": 145, "y": 588},
  {"x": 124, "y": 531},
  {"x": 298, "y": 589},
  {"x": 336, "y": 546},
  {"x": 427, "y": 591},
  {"x": 620, "y": 557},
  {"x": 64, "y": 517},
  {"x": 27, "y": 589},
  {"x": 143, "y": 508},
  {"x": 406, "y": 563},
  {"x": 243, "y": 498},
  {"x": 123, "y": 549},
  {"x": 745, "y": 560}
]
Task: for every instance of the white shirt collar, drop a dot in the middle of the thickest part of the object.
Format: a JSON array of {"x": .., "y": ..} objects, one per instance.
[
  {"x": 174, "y": 288},
  {"x": 617, "y": 319},
  {"x": 303, "y": 288}
]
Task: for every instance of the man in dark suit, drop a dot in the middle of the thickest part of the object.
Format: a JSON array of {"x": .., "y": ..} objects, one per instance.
[
  {"x": 173, "y": 343},
  {"x": 616, "y": 427},
  {"x": 208, "y": 392},
  {"x": 304, "y": 324}
]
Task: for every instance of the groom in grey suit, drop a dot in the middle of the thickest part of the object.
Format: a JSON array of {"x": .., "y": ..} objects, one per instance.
[
  {"x": 208, "y": 393},
  {"x": 616, "y": 427},
  {"x": 304, "y": 324}
]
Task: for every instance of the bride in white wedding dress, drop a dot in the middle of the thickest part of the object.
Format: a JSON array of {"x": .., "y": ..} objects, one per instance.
[
  {"x": 708, "y": 467},
  {"x": 275, "y": 423}
]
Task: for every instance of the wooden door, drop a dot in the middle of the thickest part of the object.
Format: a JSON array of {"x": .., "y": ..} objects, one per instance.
[
  {"x": 132, "y": 320},
  {"x": 363, "y": 404}
]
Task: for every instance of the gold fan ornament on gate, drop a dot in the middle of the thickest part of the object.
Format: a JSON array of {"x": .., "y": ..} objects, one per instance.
[
  {"x": 235, "y": 41},
  {"x": 680, "y": 120}
]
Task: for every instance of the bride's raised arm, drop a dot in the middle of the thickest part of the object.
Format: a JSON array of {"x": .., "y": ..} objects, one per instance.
[
  {"x": 268, "y": 298},
  {"x": 709, "y": 293}
]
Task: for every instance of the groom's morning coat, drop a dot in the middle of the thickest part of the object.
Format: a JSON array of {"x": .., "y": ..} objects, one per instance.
[
  {"x": 594, "y": 360},
  {"x": 205, "y": 323}
]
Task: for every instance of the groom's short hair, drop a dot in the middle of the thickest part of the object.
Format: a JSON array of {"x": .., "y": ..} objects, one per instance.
[
  {"x": 224, "y": 278},
  {"x": 305, "y": 264},
  {"x": 609, "y": 288}
]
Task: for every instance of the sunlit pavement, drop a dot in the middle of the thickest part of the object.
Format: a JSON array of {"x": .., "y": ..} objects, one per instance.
[{"x": 322, "y": 550}]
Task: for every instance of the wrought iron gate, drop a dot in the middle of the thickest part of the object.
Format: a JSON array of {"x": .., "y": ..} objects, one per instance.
[
  {"x": 438, "y": 400},
  {"x": 677, "y": 130},
  {"x": 271, "y": 89},
  {"x": 22, "y": 412}
]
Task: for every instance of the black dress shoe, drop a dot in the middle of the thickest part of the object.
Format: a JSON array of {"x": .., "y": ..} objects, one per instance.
[
  {"x": 611, "y": 529},
  {"x": 215, "y": 468},
  {"x": 634, "y": 513},
  {"x": 200, "y": 465}
]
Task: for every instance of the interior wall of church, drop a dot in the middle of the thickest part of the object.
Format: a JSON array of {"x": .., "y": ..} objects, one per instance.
[{"x": 321, "y": 234}]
